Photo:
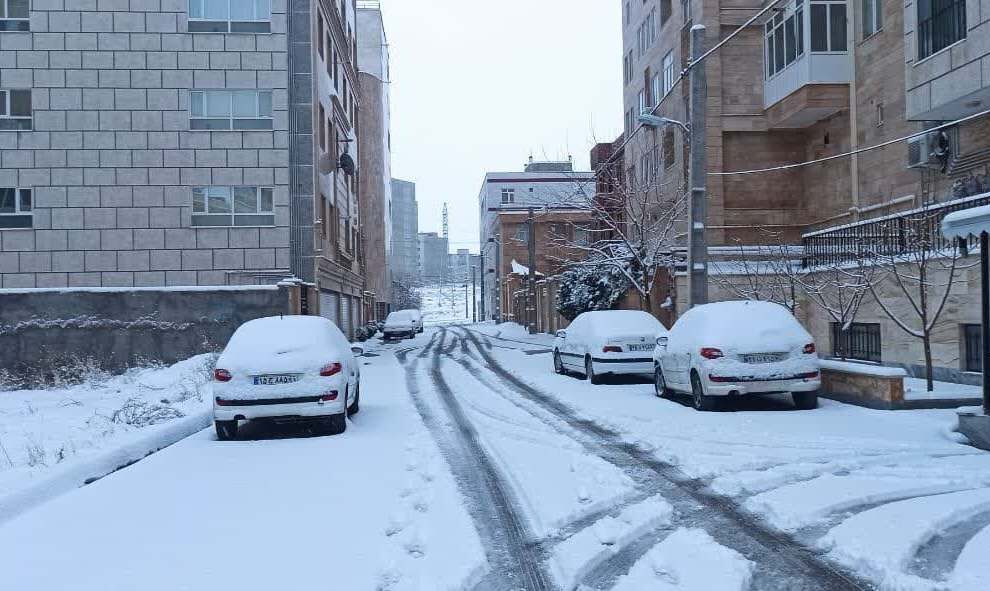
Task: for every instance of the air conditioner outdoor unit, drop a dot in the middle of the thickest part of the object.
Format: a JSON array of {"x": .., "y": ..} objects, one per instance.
[{"x": 920, "y": 151}]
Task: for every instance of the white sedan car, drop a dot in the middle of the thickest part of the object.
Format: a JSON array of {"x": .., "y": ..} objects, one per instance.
[
  {"x": 416, "y": 316},
  {"x": 737, "y": 348},
  {"x": 399, "y": 325},
  {"x": 608, "y": 342},
  {"x": 286, "y": 368}
]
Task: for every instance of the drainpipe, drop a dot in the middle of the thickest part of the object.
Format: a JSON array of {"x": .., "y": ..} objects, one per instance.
[{"x": 853, "y": 126}]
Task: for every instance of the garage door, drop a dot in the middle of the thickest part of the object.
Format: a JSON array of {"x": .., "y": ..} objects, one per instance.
[
  {"x": 347, "y": 324},
  {"x": 328, "y": 306}
]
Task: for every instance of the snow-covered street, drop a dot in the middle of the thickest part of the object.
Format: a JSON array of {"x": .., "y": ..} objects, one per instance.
[{"x": 473, "y": 466}]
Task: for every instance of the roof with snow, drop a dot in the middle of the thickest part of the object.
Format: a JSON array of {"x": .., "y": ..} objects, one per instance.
[
  {"x": 518, "y": 269},
  {"x": 967, "y": 222}
]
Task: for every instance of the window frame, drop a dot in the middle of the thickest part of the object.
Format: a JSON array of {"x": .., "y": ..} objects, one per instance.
[
  {"x": 5, "y": 111},
  {"x": 19, "y": 212},
  {"x": 783, "y": 39},
  {"x": 668, "y": 72},
  {"x": 233, "y": 214},
  {"x": 14, "y": 23},
  {"x": 252, "y": 26},
  {"x": 521, "y": 233},
  {"x": 231, "y": 118},
  {"x": 511, "y": 193},
  {"x": 926, "y": 35},
  {"x": 872, "y": 15},
  {"x": 867, "y": 334},
  {"x": 971, "y": 339}
]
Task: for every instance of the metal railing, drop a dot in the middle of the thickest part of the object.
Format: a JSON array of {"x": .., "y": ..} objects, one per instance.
[{"x": 891, "y": 235}]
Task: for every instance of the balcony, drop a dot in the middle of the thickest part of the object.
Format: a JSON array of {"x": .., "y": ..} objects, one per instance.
[
  {"x": 917, "y": 230},
  {"x": 807, "y": 63}
]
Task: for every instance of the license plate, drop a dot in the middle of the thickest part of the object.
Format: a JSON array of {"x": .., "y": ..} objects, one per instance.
[
  {"x": 275, "y": 380},
  {"x": 641, "y": 347},
  {"x": 762, "y": 358}
]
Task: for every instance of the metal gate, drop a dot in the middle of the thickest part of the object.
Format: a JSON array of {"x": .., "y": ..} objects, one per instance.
[
  {"x": 347, "y": 318},
  {"x": 329, "y": 306}
]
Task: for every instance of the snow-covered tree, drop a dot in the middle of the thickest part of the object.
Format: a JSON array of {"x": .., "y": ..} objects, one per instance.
[
  {"x": 770, "y": 272},
  {"x": 405, "y": 297},
  {"x": 588, "y": 287}
]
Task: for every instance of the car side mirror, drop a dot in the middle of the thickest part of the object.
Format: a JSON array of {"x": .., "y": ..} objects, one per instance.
[
  {"x": 662, "y": 342},
  {"x": 358, "y": 350},
  {"x": 562, "y": 334}
]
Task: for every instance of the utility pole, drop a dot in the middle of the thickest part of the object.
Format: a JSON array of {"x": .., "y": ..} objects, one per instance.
[
  {"x": 484, "y": 279},
  {"x": 697, "y": 247},
  {"x": 466, "y": 313},
  {"x": 531, "y": 292},
  {"x": 474, "y": 294}
]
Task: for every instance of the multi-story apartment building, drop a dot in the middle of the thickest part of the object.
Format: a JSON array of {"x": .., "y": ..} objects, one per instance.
[
  {"x": 544, "y": 186},
  {"x": 812, "y": 80},
  {"x": 405, "y": 232},
  {"x": 374, "y": 159},
  {"x": 464, "y": 265},
  {"x": 160, "y": 143},
  {"x": 433, "y": 259}
]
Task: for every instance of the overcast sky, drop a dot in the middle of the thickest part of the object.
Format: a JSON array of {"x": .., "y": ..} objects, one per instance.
[{"x": 478, "y": 86}]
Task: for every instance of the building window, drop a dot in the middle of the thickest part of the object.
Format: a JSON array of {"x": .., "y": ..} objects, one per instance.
[
  {"x": 647, "y": 33},
  {"x": 669, "y": 154},
  {"x": 668, "y": 72},
  {"x": 656, "y": 89},
  {"x": 15, "y": 208},
  {"x": 582, "y": 237},
  {"x": 872, "y": 17},
  {"x": 15, "y": 110},
  {"x": 15, "y": 15},
  {"x": 940, "y": 24},
  {"x": 860, "y": 341},
  {"x": 521, "y": 233},
  {"x": 508, "y": 195},
  {"x": 230, "y": 16},
  {"x": 784, "y": 39},
  {"x": 972, "y": 342},
  {"x": 665, "y": 11},
  {"x": 233, "y": 206},
  {"x": 627, "y": 67},
  {"x": 828, "y": 27},
  {"x": 641, "y": 102},
  {"x": 230, "y": 109}
]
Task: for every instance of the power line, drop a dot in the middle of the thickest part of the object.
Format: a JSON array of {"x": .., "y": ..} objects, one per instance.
[{"x": 853, "y": 152}]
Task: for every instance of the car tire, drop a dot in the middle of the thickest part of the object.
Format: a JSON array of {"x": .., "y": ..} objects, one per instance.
[
  {"x": 558, "y": 365},
  {"x": 660, "y": 384},
  {"x": 589, "y": 371},
  {"x": 700, "y": 400},
  {"x": 355, "y": 406},
  {"x": 805, "y": 400},
  {"x": 226, "y": 430}
]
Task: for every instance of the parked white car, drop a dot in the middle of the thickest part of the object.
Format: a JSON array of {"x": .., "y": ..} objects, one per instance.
[
  {"x": 737, "y": 348},
  {"x": 286, "y": 368},
  {"x": 607, "y": 342},
  {"x": 399, "y": 325},
  {"x": 416, "y": 316}
]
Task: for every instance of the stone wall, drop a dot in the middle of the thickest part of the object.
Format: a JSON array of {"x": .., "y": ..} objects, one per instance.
[{"x": 46, "y": 332}]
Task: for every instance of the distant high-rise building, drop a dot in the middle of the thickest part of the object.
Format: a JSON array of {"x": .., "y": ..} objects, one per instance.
[
  {"x": 433, "y": 260},
  {"x": 405, "y": 232}
]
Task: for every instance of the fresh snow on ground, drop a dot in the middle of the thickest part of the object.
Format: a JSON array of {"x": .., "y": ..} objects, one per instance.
[
  {"x": 799, "y": 470},
  {"x": 374, "y": 508},
  {"x": 917, "y": 389},
  {"x": 444, "y": 304},
  {"x": 688, "y": 560},
  {"x": 53, "y": 440}
]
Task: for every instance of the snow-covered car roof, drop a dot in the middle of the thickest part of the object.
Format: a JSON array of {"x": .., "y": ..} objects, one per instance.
[
  {"x": 616, "y": 322},
  {"x": 411, "y": 312},
  {"x": 302, "y": 340},
  {"x": 740, "y": 325},
  {"x": 399, "y": 318}
]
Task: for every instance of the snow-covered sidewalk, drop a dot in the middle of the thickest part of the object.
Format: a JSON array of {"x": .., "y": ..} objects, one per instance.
[
  {"x": 826, "y": 476},
  {"x": 374, "y": 508}
]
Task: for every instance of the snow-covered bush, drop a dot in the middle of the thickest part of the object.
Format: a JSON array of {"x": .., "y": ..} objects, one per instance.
[
  {"x": 139, "y": 413},
  {"x": 590, "y": 287}
]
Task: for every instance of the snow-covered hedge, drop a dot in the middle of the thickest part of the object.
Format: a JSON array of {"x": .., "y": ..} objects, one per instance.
[{"x": 587, "y": 288}]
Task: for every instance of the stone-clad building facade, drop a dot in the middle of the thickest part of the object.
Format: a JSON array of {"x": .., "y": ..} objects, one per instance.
[{"x": 150, "y": 143}]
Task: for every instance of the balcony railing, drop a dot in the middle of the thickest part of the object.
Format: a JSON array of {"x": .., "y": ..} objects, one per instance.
[{"x": 902, "y": 233}]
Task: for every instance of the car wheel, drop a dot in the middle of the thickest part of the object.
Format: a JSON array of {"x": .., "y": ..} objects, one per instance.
[
  {"x": 805, "y": 400},
  {"x": 226, "y": 430},
  {"x": 660, "y": 383},
  {"x": 701, "y": 401},
  {"x": 355, "y": 407},
  {"x": 558, "y": 365},
  {"x": 589, "y": 371}
]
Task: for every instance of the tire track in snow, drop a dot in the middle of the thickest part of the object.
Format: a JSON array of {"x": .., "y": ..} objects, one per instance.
[
  {"x": 936, "y": 559},
  {"x": 782, "y": 562},
  {"x": 515, "y": 563}
]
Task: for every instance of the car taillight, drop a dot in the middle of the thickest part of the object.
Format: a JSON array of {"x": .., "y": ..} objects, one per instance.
[
  {"x": 611, "y": 349},
  {"x": 221, "y": 402},
  {"x": 222, "y": 375},
  {"x": 809, "y": 348},
  {"x": 330, "y": 369},
  {"x": 711, "y": 353},
  {"x": 808, "y": 376},
  {"x": 329, "y": 396}
]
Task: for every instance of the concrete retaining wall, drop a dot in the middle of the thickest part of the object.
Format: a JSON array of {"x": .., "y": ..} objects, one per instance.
[{"x": 44, "y": 333}]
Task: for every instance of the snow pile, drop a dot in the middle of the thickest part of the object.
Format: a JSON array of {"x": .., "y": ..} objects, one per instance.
[
  {"x": 54, "y": 440},
  {"x": 757, "y": 327},
  {"x": 688, "y": 560}
]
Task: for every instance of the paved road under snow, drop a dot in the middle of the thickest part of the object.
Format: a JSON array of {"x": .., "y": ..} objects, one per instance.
[{"x": 473, "y": 466}]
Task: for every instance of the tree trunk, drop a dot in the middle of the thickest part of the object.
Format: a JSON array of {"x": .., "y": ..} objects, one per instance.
[{"x": 929, "y": 381}]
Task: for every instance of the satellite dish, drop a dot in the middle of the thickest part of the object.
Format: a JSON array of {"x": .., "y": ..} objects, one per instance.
[{"x": 347, "y": 164}]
